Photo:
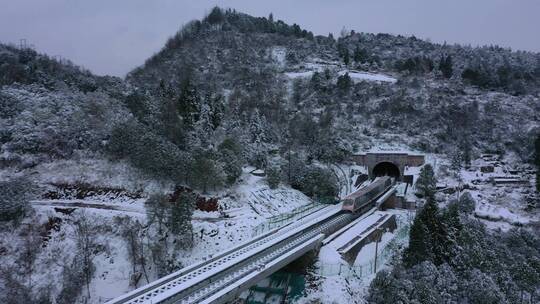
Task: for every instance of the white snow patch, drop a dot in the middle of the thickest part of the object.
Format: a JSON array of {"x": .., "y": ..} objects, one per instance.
[
  {"x": 278, "y": 55},
  {"x": 294, "y": 75},
  {"x": 498, "y": 213},
  {"x": 357, "y": 76}
]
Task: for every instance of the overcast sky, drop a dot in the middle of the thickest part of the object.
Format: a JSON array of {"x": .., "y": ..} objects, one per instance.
[{"x": 114, "y": 36}]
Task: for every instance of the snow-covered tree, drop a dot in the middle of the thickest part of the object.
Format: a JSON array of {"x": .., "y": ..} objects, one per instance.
[
  {"x": 207, "y": 171},
  {"x": 14, "y": 197},
  {"x": 446, "y": 66},
  {"x": 426, "y": 183},
  {"x": 189, "y": 103},
  {"x": 231, "y": 156},
  {"x": 273, "y": 176},
  {"x": 179, "y": 218}
]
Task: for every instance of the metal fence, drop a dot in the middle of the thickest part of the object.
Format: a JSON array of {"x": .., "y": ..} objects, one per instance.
[{"x": 286, "y": 218}]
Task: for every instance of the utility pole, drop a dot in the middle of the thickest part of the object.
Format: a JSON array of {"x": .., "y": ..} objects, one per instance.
[
  {"x": 378, "y": 236},
  {"x": 22, "y": 43}
]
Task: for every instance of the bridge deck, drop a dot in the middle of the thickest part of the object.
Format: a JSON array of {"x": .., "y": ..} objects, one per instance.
[
  {"x": 226, "y": 275},
  {"x": 191, "y": 279}
]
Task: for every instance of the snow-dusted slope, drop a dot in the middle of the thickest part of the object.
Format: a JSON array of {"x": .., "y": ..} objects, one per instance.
[{"x": 244, "y": 206}]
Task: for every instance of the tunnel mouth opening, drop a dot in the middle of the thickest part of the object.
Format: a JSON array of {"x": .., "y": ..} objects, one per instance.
[{"x": 386, "y": 169}]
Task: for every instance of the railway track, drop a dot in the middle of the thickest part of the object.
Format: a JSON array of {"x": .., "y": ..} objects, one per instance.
[
  {"x": 256, "y": 262},
  {"x": 203, "y": 281},
  {"x": 196, "y": 284}
]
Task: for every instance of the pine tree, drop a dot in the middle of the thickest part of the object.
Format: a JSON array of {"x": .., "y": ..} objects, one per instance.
[
  {"x": 421, "y": 234},
  {"x": 466, "y": 148},
  {"x": 203, "y": 128},
  {"x": 273, "y": 176},
  {"x": 433, "y": 235},
  {"x": 180, "y": 215},
  {"x": 446, "y": 66},
  {"x": 426, "y": 183},
  {"x": 189, "y": 103},
  {"x": 172, "y": 126},
  {"x": 217, "y": 110},
  {"x": 206, "y": 170},
  {"x": 344, "y": 82},
  {"x": 456, "y": 161},
  {"x": 215, "y": 16},
  {"x": 315, "y": 81},
  {"x": 331, "y": 36},
  {"x": 449, "y": 228},
  {"x": 360, "y": 55},
  {"x": 14, "y": 197},
  {"x": 466, "y": 203},
  {"x": 258, "y": 128},
  {"x": 156, "y": 211},
  {"x": 231, "y": 156},
  {"x": 346, "y": 58}
]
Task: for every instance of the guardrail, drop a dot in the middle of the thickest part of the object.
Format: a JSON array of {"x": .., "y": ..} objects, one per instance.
[{"x": 195, "y": 283}]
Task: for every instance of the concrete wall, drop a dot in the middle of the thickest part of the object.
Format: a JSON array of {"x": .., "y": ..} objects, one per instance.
[
  {"x": 389, "y": 224},
  {"x": 415, "y": 160},
  {"x": 399, "y": 159}
]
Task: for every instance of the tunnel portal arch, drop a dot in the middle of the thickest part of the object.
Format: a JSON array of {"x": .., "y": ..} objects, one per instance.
[{"x": 386, "y": 168}]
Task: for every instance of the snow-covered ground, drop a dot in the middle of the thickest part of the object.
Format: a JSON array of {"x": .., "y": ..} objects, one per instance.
[
  {"x": 338, "y": 282},
  {"x": 243, "y": 206},
  {"x": 304, "y": 74},
  {"x": 337, "y": 290},
  {"x": 278, "y": 56},
  {"x": 329, "y": 253},
  {"x": 498, "y": 205},
  {"x": 358, "y": 76}
]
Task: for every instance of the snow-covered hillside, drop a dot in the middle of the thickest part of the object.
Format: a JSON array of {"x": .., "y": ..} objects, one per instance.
[
  {"x": 243, "y": 207},
  {"x": 108, "y": 183}
]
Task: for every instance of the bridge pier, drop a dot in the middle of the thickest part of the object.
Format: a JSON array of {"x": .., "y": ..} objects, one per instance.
[
  {"x": 388, "y": 224},
  {"x": 233, "y": 291}
]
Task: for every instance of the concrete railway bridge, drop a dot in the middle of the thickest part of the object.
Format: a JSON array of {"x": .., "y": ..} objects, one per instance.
[{"x": 222, "y": 278}]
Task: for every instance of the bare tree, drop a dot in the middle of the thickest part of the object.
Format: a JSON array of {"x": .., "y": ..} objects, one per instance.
[
  {"x": 31, "y": 245},
  {"x": 132, "y": 232},
  {"x": 86, "y": 244}
]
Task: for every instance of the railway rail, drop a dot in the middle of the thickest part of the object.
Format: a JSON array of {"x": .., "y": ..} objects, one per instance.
[{"x": 222, "y": 277}]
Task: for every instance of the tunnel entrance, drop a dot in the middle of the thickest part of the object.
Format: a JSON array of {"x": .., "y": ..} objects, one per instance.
[{"x": 386, "y": 168}]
